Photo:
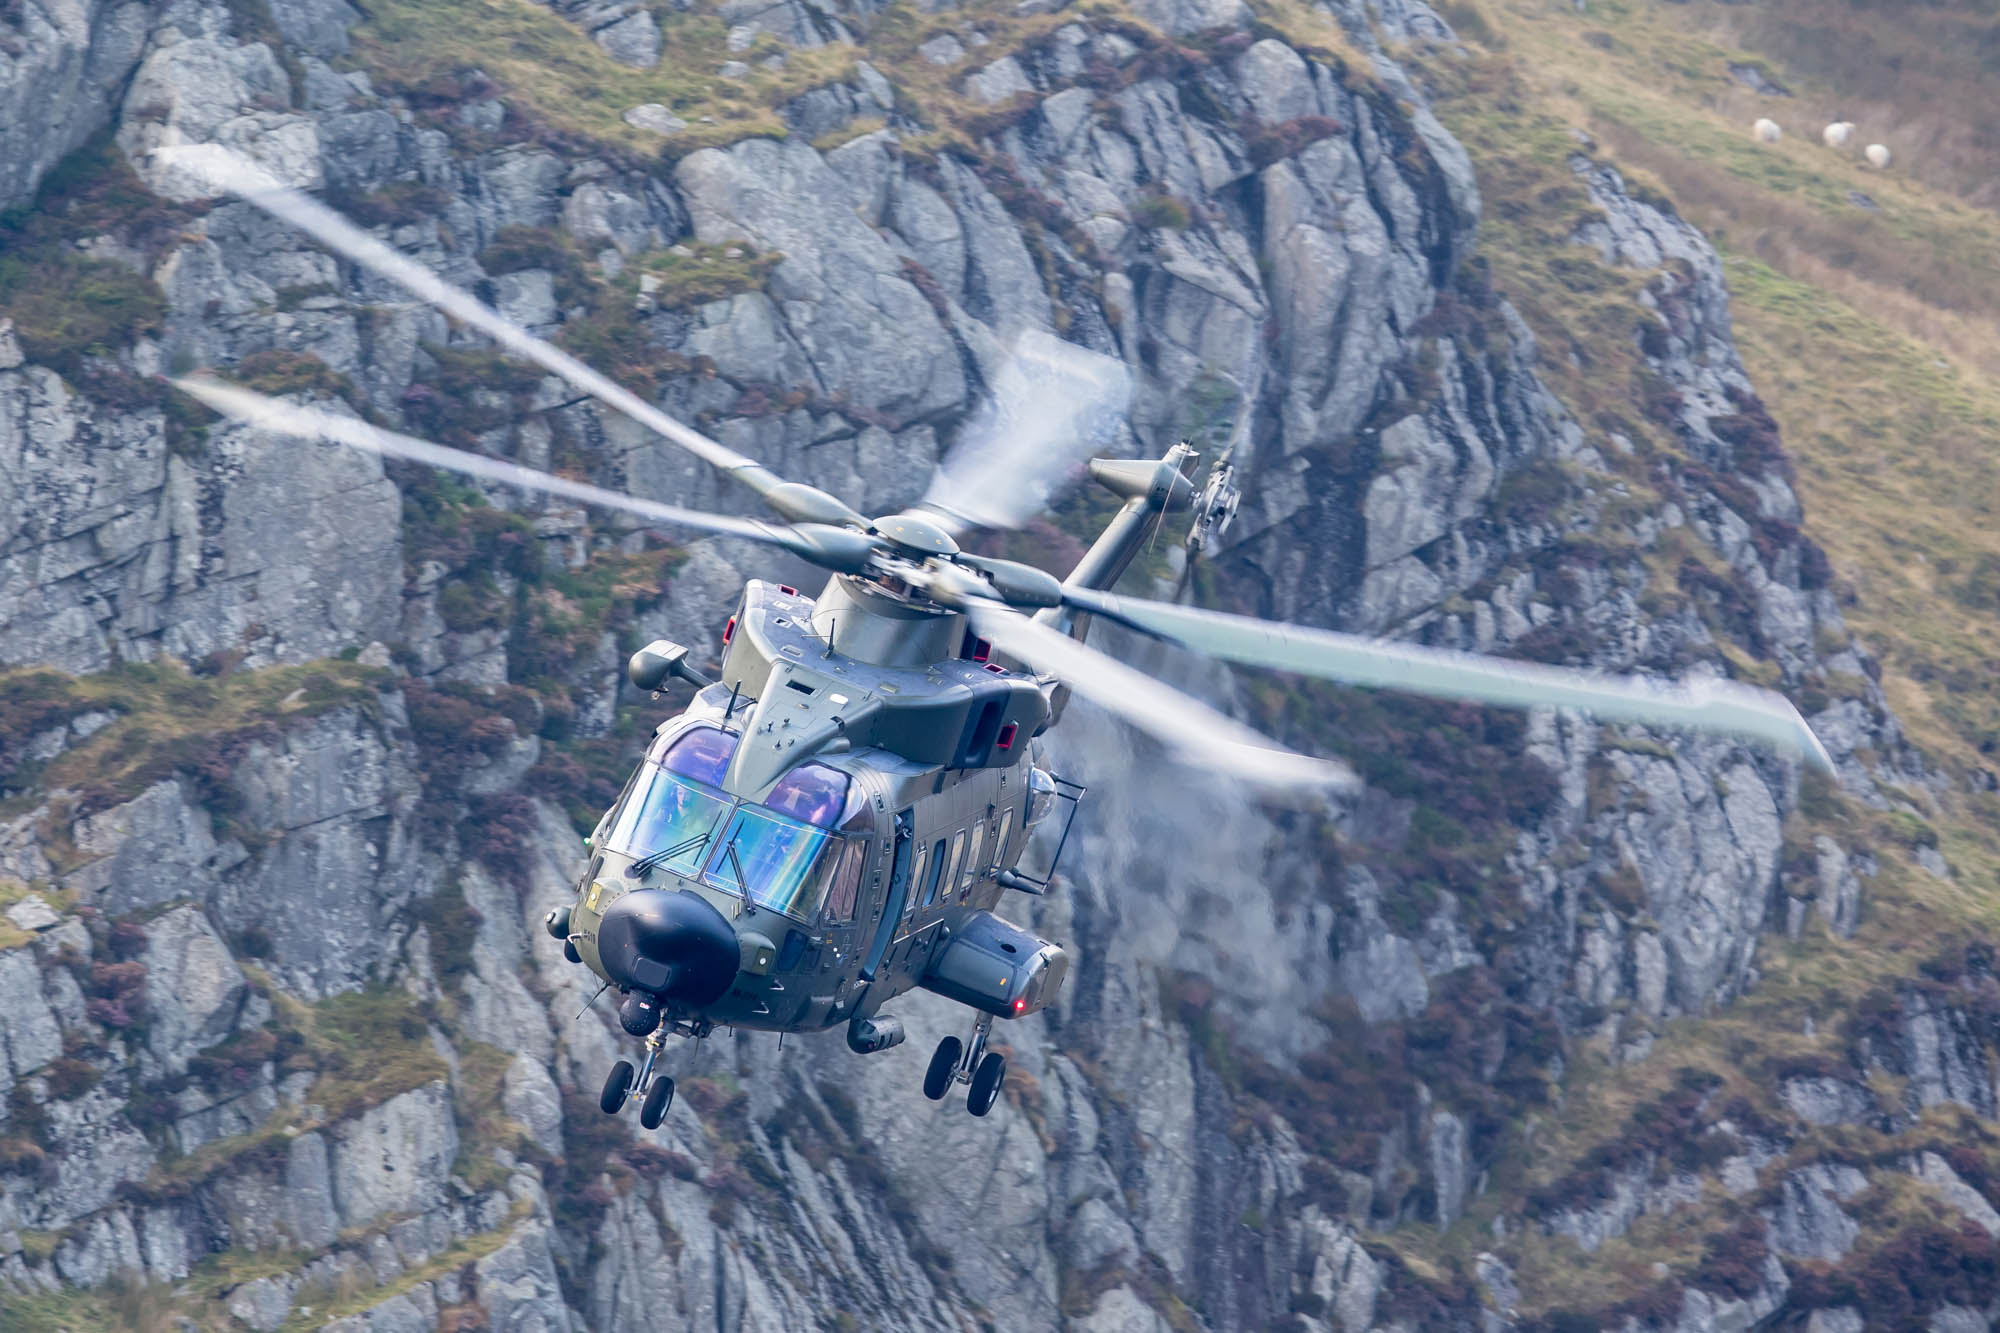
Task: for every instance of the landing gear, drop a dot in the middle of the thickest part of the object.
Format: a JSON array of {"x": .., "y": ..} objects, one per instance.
[
  {"x": 944, "y": 1066},
  {"x": 616, "y": 1085},
  {"x": 968, "y": 1061},
  {"x": 623, "y": 1082},
  {"x": 659, "y": 1098},
  {"x": 986, "y": 1083}
]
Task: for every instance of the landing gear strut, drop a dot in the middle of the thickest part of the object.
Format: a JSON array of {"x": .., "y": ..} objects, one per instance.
[
  {"x": 657, "y": 1093},
  {"x": 968, "y": 1061}
]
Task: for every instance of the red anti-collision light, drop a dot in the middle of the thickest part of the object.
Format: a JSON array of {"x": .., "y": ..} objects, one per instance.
[
  {"x": 1020, "y": 1004},
  {"x": 981, "y": 650},
  {"x": 788, "y": 590},
  {"x": 1006, "y": 738},
  {"x": 728, "y": 631}
]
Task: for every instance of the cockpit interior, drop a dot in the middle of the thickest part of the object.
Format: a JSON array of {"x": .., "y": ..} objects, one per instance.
[{"x": 798, "y": 852}]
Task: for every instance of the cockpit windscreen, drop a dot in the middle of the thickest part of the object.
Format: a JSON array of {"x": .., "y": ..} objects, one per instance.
[{"x": 675, "y": 807}]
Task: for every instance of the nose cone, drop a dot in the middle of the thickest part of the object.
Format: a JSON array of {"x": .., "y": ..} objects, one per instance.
[{"x": 671, "y": 944}]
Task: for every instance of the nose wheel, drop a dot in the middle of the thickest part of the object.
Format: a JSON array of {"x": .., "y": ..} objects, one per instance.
[
  {"x": 616, "y": 1087},
  {"x": 656, "y": 1094},
  {"x": 969, "y": 1061}
]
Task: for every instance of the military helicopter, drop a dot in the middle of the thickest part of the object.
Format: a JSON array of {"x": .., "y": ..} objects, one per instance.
[{"x": 836, "y": 817}]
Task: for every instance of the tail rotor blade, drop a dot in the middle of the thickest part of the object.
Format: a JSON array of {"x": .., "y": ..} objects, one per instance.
[
  {"x": 1197, "y": 732},
  {"x": 313, "y": 424},
  {"x": 1052, "y": 404},
  {"x": 225, "y": 170},
  {"x": 1719, "y": 706}
]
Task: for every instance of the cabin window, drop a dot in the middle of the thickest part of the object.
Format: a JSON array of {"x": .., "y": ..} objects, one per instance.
[
  {"x": 973, "y": 864},
  {"x": 1000, "y": 838},
  {"x": 937, "y": 869},
  {"x": 950, "y": 876},
  {"x": 915, "y": 896}
]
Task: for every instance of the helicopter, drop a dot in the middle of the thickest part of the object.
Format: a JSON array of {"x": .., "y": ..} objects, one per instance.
[{"x": 836, "y": 817}]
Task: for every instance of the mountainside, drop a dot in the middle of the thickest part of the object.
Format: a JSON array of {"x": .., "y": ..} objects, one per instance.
[{"x": 1554, "y": 1026}]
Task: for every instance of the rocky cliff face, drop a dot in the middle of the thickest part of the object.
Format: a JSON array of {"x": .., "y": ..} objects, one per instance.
[{"x": 291, "y": 746}]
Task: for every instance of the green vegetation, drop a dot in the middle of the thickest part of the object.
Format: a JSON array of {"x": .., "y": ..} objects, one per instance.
[
  {"x": 1868, "y": 331},
  {"x": 559, "y": 85},
  {"x": 169, "y": 722}
]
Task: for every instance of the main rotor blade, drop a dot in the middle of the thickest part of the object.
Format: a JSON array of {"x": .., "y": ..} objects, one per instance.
[
  {"x": 312, "y": 424},
  {"x": 1052, "y": 404},
  {"x": 251, "y": 183},
  {"x": 1701, "y": 705},
  {"x": 1193, "y": 729}
]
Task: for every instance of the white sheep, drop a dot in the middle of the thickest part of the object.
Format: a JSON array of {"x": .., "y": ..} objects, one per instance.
[
  {"x": 1837, "y": 134},
  {"x": 1877, "y": 155},
  {"x": 1766, "y": 130}
]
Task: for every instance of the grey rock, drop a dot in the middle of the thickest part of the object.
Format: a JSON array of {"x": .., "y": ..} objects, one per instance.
[
  {"x": 1958, "y": 1319},
  {"x": 61, "y": 84},
  {"x": 517, "y": 1284},
  {"x": 194, "y": 989},
  {"x": 264, "y": 1303},
  {"x": 869, "y": 329},
  {"x": 28, "y": 1027},
  {"x": 1808, "y": 1223},
  {"x": 309, "y": 1212},
  {"x": 529, "y": 1096},
  {"x": 1826, "y": 1101},
  {"x": 997, "y": 82},
  {"x": 32, "y": 913},
  {"x": 1839, "y": 1319},
  {"x": 632, "y": 40},
  {"x": 107, "y": 559},
  {"x": 1450, "y": 1169},
  {"x": 943, "y": 49},
  {"x": 655, "y": 117},
  {"x": 202, "y": 91},
  {"x": 395, "y": 1157},
  {"x": 1968, "y": 1202},
  {"x": 318, "y": 26}
]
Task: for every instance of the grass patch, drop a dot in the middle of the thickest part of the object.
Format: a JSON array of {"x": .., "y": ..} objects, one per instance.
[
  {"x": 557, "y": 82},
  {"x": 170, "y": 722}
]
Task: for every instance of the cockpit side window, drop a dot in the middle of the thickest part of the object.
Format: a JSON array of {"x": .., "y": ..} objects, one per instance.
[{"x": 845, "y": 879}]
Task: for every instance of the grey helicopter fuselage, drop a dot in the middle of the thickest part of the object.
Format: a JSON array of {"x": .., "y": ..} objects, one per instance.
[{"x": 935, "y": 810}]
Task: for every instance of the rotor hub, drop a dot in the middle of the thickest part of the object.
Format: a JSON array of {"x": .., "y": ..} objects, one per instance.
[{"x": 916, "y": 534}]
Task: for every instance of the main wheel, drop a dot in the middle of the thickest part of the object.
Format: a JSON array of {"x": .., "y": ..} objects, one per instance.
[
  {"x": 616, "y": 1084},
  {"x": 944, "y": 1063},
  {"x": 658, "y": 1098},
  {"x": 986, "y": 1081}
]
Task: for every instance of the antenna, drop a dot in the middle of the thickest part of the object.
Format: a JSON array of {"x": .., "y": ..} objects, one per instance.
[{"x": 730, "y": 711}]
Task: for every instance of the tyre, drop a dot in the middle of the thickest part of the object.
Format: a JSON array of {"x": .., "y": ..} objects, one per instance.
[
  {"x": 616, "y": 1084},
  {"x": 986, "y": 1081},
  {"x": 659, "y": 1098},
  {"x": 569, "y": 951},
  {"x": 944, "y": 1063}
]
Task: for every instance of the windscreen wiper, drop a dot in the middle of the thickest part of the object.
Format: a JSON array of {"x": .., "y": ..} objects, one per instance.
[{"x": 646, "y": 864}]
